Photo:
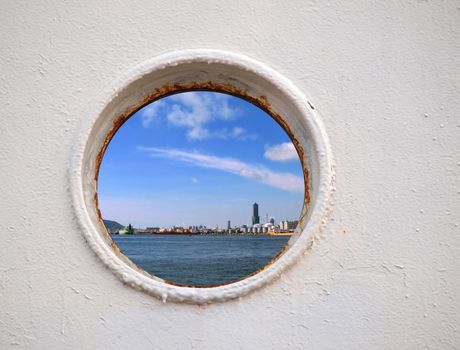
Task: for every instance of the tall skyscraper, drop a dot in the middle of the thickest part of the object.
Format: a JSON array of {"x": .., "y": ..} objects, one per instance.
[
  {"x": 228, "y": 225},
  {"x": 255, "y": 214}
]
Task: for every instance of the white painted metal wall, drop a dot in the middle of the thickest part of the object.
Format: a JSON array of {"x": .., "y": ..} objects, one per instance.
[{"x": 384, "y": 274}]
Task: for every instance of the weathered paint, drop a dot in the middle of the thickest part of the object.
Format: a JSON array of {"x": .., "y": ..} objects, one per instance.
[
  {"x": 384, "y": 272},
  {"x": 260, "y": 101},
  {"x": 227, "y": 72}
]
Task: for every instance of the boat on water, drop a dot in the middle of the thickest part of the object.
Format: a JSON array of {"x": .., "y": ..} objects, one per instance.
[
  {"x": 280, "y": 233},
  {"x": 183, "y": 233}
]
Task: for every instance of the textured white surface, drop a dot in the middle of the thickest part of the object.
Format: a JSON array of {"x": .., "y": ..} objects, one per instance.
[
  {"x": 193, "y": 67},
  {"x": 384, "y": 76}
]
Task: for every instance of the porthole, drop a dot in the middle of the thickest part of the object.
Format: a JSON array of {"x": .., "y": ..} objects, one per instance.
[
  {"x": 207, "y": 72},
  {"x": 208, "y": 186}
]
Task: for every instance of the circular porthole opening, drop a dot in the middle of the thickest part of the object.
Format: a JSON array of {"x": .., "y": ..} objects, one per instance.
[
  {"x": 182, "y": 123},
  {"x": 207, "y": 186}
]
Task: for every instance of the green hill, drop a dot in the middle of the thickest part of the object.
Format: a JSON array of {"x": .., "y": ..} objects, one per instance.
[{"x": 112, "y": 225}]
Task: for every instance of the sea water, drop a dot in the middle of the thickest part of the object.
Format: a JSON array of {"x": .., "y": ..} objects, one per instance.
[{"x": 200, "y": 260}]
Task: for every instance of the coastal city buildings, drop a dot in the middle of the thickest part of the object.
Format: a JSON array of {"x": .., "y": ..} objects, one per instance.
[
  {"x": 255, "y": 214},
  {"x": 285, "y": 227},
  {"x": 288, "y": 225}
]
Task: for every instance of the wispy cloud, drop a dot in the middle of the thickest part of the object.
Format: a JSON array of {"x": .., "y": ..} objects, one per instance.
[
  {"x": 150, "y": 112},
  {"x": 280, "y": 180},
  {"x": 241, "y": 134},
  {"x": 194, "y": 111},
  {"x": 237, "y": 133},
  {"x": 282, "y": 152},
  {"x": 194, "y": 180}
]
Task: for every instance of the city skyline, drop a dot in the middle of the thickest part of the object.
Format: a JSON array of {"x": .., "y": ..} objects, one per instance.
[
  {"x": 199, "y": 158},
  {"x": 268, "y": 219}
]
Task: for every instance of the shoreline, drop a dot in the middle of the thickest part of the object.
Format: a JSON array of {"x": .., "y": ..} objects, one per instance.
[{"x": 287, "y": 234}]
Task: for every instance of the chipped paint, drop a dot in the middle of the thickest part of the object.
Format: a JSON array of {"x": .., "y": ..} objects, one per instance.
[
  {"x": 260, "y": 101},
  {"x": 243, "y": 77},
  {"x": 161, "y": 92},
  {"x": 382, "y": 75}
]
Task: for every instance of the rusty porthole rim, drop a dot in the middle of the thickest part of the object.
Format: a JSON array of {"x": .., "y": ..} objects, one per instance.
[
  {"x": 168, "y": 90},
  {"x": 80, "y": 178}
]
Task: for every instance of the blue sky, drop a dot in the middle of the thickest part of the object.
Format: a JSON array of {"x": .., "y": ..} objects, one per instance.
[{"x": 199, "y": 158}]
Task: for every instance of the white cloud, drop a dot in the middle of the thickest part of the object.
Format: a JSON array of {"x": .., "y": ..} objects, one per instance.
[
  {"x": 149, "y": 112},
  {"x": 195, "y": 180},
  {"x": 237, "y": 133},
  {"x": 284, "y": 181},
  {"x": 283, "y": 152},
  {"x": 240, "y": 133},
  {"x": 194, "y": 109}
]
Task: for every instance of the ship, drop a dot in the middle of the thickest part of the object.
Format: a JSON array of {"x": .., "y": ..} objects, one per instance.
[
  {"x": 280, "y": 233},
  {"x": 172, "y": 232}
]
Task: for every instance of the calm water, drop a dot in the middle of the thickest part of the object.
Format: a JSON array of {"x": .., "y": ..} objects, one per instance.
[{"x": 200, "y": 260}]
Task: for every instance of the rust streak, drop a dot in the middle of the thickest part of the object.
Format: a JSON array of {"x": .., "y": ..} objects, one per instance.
[{"x": 260, "y": 101}]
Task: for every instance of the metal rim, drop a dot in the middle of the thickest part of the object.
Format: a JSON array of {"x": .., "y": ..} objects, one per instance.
[{"x": 177, "y": 69}]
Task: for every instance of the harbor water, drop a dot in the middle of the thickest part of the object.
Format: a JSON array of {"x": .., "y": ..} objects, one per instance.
[{"x": 200, "y": 260}]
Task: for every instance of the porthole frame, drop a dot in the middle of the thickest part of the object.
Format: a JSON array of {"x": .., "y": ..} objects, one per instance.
[{"x": 212, "y": 70}]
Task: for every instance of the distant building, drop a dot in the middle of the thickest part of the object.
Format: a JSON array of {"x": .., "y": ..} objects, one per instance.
[
  {"x": 255, "y": 214},
  {"x": 286, "y": 225},
  {"x": 293, "y": 224},
  {"x": 228, "y": 225}
]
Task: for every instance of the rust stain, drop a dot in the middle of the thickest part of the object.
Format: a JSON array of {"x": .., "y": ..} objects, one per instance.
[{"x": 260, "y": 101}]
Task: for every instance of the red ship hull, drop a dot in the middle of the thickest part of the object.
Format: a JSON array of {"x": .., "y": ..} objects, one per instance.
[{"x": 175, "y": 233}]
